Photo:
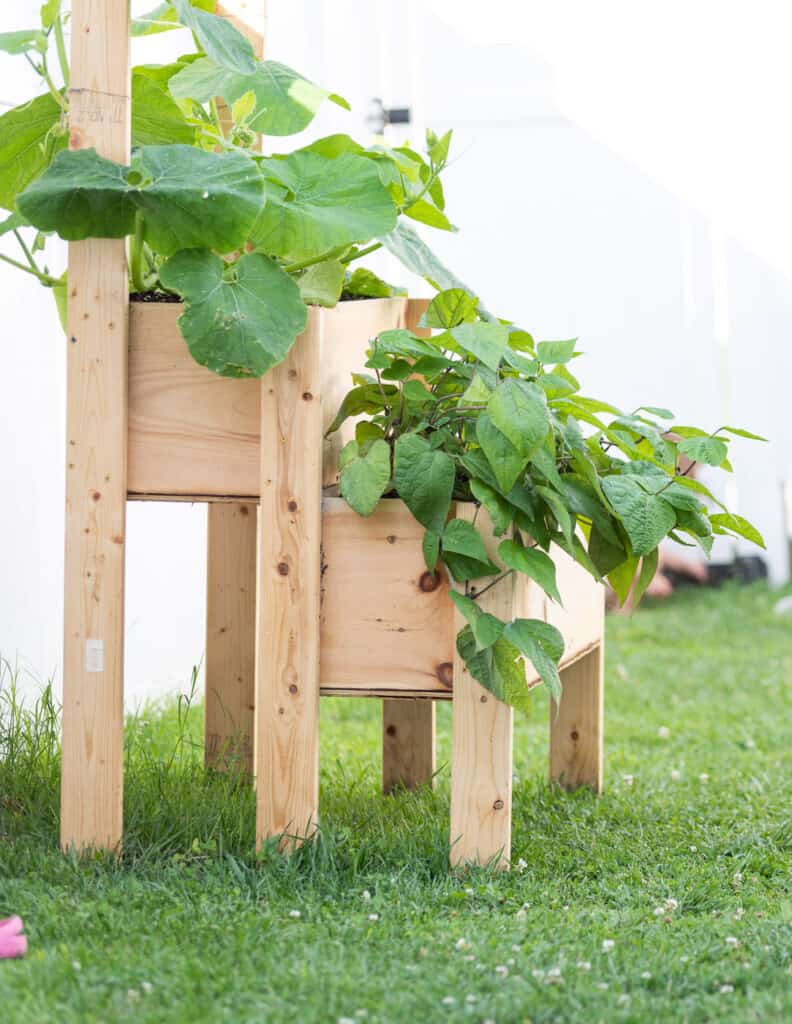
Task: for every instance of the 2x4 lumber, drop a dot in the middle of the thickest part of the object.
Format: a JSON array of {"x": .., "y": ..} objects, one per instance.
[
  {"x": 481, "y": 738},
  {"x": 289, "y": 580},
  {"x": 230, "y": 635},
  {"x": 408, "y": 744},
  {"x": 230, "y": 665},
  {"x": 96, "y": 432},
  {"x": 576, "y": 725}
]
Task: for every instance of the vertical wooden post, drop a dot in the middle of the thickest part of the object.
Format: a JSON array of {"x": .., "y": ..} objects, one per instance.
[
  {"x": 481, "y": 741},
  {"x": 576, "y": 726},
  {"x": 408, "y": 743},
  {"x": 96, "y": 417},
  {"x": 230, "y": 635},
  {"x": 289, "y": 579},
  {"x": 231, "y": 563},
  {"x": 408, "y": 726}
]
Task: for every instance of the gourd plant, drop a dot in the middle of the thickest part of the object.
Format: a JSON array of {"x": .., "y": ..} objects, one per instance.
[
  {"x": 246, "y": 240},
  {"x": 476, "y": 411}
]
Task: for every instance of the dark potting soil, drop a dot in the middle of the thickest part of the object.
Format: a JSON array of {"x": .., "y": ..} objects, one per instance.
[{"x": 153, "y": 297}]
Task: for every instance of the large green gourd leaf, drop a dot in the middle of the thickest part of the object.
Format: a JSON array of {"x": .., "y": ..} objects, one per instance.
[
  {"x": 190, "y": 198},
  {"x": 238, "y": 322},
  {"x": 29, "y": 138},
  {"x": 156, "y": 118},
  {"x": 217, "y": 37},
  {"x": 315, "y": 204},
  {"x": 285, "y": 102}
]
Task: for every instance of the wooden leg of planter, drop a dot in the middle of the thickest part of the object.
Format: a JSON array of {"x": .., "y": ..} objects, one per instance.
[
  {"x": 96, "y": 419},
  {"x": 576, "y": 727},
  {"x": 481, "y": 745},
  {"x": 289, "y": 579},
  {"x": 230, "y": 635},
  {"x": 408, "y": 743}
]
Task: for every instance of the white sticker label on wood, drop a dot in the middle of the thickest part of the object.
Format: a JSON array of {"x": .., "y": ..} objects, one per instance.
[{"x": 94, "y": 655}]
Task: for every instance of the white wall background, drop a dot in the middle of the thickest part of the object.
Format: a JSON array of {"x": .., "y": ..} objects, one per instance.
[{"x": 622, "y": 174}]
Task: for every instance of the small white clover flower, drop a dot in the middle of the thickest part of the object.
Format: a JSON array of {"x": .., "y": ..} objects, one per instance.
[
  {"x": 133, "y": 995},
  {"x": 663, "y": 732},
  {"x": 628, "y": 779},
  {"x": 295, "y": 913},
  {"x": 624, "y": 999},
  {"x": 469, "y": 892},
  {"x": 646, "y": 975},
  {"x": 373, "y": 917},
  {"x": 607, "y": 945},
  {"x": 603, "y": 986},
  {"x": 462, "y": 944},
  {"x": 76, "y": 965},
  {"x": 502, "y": 971},
  {"x": 147, "y": 987},
  {"x": 511, "y": 962},
  {"x": 516, "y": 948},
  {"x": 521, "y": 865},
  {"x": 658, "y": 911},
  {"x": 684, "y": 959},
  {"x": 676, "y": 775},
  {"x": 520, "y": 914},
  {"x": 538, "y": 973},
  {"x": 448, "y": 1000},
  {"x": 554, "y": 972},
  {"x": 671, "y": 904},
  {"x": 469, "y": 958},
  {"x": 726, "y": 990},
  {"x": 737, "y": 878},
  {"x": 584, "y": 965},
  {"x": 739, "y": 913},
  {"x": 732, "y": 941},
  {"x": 345, "y": 1020},
  {"x": 471, "y": 999},
  {"x": 365, "y": 895},
  {"x": 703, "y": 778}
]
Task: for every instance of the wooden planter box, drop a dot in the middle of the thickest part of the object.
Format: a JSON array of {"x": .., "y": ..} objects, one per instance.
[{"x": 303, "y": 595}]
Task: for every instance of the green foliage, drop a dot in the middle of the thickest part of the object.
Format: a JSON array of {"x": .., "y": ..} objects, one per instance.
[
  {"x": 476, "y": 412},
  {"x": 499, "y": 421},
  {"x": 238, "y": 321}
]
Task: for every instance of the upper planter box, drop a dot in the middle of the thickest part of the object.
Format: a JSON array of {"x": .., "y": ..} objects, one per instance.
[{"x": 193, "y": 434}]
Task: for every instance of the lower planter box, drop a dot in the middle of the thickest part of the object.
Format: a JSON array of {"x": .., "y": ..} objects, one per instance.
[{"x": 388, "y": 626}]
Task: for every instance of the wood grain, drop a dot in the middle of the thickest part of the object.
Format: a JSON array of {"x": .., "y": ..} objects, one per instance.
[
  {"x": 481, "y": 739},
  {"x": 95, "y": 528},
  {"x": 289, "y": 578},
  {"x": 408, "y": 744},
  {"x": 232, "y": 536},
  {"x": 194, "y": 434},
  {"x": 576, "y": 727},
  {"x": 387, "y": 624}
]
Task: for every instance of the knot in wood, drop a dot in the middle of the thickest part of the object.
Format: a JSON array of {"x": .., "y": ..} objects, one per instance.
[
  {"x": 429, "y": 581},
  {"x": 575, "y": 735},
  {"x": 391, "y": 730},
  {"x": 307, "y": 396},
  {"x": 292, "y": 506},
  {"x": 445, "y": 673},
  {"x": 498, "y": 805},
  {"x": 283, "y": 568}
]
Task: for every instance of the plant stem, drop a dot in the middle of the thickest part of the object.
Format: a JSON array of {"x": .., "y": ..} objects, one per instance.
[
  {"x": 489, "y": 586},
  {"x": 57, "y": 95},
  {"x": 331, "y": 254},
  {"x": 136, "y": 255},
  {"x": 26, "y": 251},
  {"x": 63, "y": 60},
  {"x": 363, "y": 252},
  {"x": 44, "y": 278}
]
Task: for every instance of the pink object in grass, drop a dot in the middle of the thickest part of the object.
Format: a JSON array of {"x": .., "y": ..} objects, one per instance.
[{"x": 12, "y": 942}]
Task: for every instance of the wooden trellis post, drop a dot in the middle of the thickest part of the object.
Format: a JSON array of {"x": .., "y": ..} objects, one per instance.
[{"x": 96, "y": 432}]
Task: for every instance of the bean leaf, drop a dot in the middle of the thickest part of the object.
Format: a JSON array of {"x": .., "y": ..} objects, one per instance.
[
  {"x": 498, "y": 668},
  {"x": 424, "y": 480},
  {"x": 709, "y": 450},
  {"x": 486, "y": 628},
  {"x": 217, "y": 37},
  {"x": 464, "y": 552},
  {"x": 553, "y": 352},
  {"x": 450, "y": 308},
  {"x": 237, "y": 322},
  {"x": 542, "y": 645},
  {"x": 519, "y": 411},
  {"x": 506, "y": 461},
  {"x": 532, "y": 563},
  {"x": 647, "y": 517},
  {"x": 364, "y": 478}
]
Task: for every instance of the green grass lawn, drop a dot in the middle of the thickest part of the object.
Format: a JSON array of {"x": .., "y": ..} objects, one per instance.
[{"x": 368, "y": 924}]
